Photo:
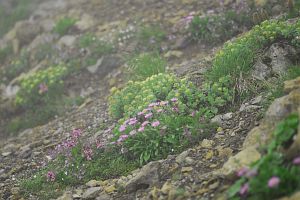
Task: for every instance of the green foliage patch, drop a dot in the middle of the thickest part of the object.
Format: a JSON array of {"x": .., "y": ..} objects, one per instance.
[
  {"x": 63, "y": 25},
  {"x": 272, "y": 176}
]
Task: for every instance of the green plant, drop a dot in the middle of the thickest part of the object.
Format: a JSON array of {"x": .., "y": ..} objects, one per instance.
[
  {"x": 42, "y": 87},
  {"x": 157, "y": 131},
  {"x": 145, "y": 65},
  {"x": 237, "y": 57},
  {"x": 138, "y": 95},
  {"x": 86, "y": 40},
  {"x": 219, "y": 27},
  {"x": 150, "y": 37},
  {"x": 63, "y": 25},
  {"x": 16, "y": 67},
  {"x": 272, "y": 176}
]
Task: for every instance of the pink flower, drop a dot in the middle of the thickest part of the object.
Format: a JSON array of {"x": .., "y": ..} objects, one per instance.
[
  {"x": 244, "y": 189},
  {"x": 43, "y": 88},
  {"x": 251, "y": 173},
  {"x": 159, "y": 110},
  {"x": 88, "y": 152},
  {"x": 50, "y": 176},
  {"x": 145, "y": 123},
  {"x": 296, "y": 161},
  {"x": 122, "y": 128},
  {"x": 175, "y": 109},
  {"x": 141, "y": 113},
  {"x": 122, "y": 138},
  {"x": 193, "y": 114},
  {"x": 151, "y": 105},
  {"x": 149, "y": 115},
  {"x": 273, "y": 182},
  {"x": 155, "y": 124},
  {"x": 242, "y": 172},
  {"x": 141, "y": 129},
  {"x": 174, "y": 99},
  {"x": 132, "y": 121},
  {"x": 76, "y": 133}
]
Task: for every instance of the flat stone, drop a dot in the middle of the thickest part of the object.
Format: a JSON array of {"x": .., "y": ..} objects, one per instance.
[
  {"x": 93, "y": 183},
  {"x": 186, "y": 169},
  {"x": 91, "y": 193}
]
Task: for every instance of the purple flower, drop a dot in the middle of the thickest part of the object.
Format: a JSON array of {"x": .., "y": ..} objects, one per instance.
[
  {"x": 141, "y": 129},
  {"x": 43, "y": 88},
  {"x": 141, "y": 113},
  {"x": 149, "y": 115},
  {"x": 159, "y": 110},
  {"x": 155, "y": 124},
  {"x": 122, "y": 128},
  {"x": 88, "y": 152},
  {"x": 242, "y": 172},
  {"x": 193, "y": 113},
  {"x": 122, "y": 138},
  {"x": 174, "y": 99},
  {"x": 132, "y": 121},
  {"x": 76, "y": 133},
  {"x": 151, "y": 105},
  {"x": 296, "y": 161},
  {"x": 145, "y": 123},
  {"x": 273, "y": 182},
  {"x": 244, "y": 189},
  {"x": 175, "y": 109},
  {"x": 50, "y": 176}
]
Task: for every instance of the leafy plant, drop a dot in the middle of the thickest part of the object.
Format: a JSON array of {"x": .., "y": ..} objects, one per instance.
[
  {"x": 63, "y": 25},
  {"x": 272, "y": 176},
  {"x": 42, "y": 87},
  {"x": 145, "y": 65}
]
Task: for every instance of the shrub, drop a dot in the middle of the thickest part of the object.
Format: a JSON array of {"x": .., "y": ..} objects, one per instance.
[
  {"x": 157, "y": 131},
  {"x": 63, "y": 25},
  {"x": 272, "y": 176},
  {"x": 41, "y": 87},
  {"x": 4, "y": 53},
  {"x": 145, "y": 65}
]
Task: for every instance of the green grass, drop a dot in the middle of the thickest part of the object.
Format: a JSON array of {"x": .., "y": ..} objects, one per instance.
[
  {"x": 145, "y": 65},
  {"x": 63, "y": 25},
  {"x": 150, "y": 37}
]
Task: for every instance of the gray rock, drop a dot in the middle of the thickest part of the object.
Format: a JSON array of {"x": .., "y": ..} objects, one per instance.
[
  {"x": 280, "y": 55},
  {"x": 67, "y": 41},
  {"x": 181, "y": 157},
  {"x": 86, "y": 22},
  {"x": 65, "y": 196},
  {"x": 261, "y": 71},
  {"x": 148, "y": 176},
  {"x": 91, "y": 193},
  {"x": 105, "y": 65},
  {"x": 221, "y": 119},
  {"x": 103, "y": 196},
  {"x": 26, "y": 31}
]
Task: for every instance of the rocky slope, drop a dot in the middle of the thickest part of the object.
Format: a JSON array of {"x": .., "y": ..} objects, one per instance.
[{"x": 201, "y": 172}]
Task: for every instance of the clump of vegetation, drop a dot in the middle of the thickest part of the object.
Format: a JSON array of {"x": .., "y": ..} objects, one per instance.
[
  {"x": 16, "y": 67},
  {"x": 97, "y": 48},
  {"x": 145, "y": 65},
  {"x": 42, "y": 87},
  {"x": 63, "y": 25},
  {"x": 273, "y": 176},
  {"x": 218, "y": 28},
  {"x": 150, "y": 37},
  {"x": 5, "y": 52}
]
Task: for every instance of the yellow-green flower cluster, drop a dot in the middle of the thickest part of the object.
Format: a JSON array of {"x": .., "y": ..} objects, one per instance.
[
  {"x": 138, "y": 95},
  {"x": 30, "y": 85}
]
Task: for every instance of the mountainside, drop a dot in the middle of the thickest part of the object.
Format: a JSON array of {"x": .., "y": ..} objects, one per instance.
[{"x": 173, "y": 99}]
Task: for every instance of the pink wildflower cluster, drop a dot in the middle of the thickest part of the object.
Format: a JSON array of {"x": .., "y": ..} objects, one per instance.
[
  {"x": 142, "y": 120},
  {"x": 50, "y": 176},
  {"x": 88, "y": 152}
]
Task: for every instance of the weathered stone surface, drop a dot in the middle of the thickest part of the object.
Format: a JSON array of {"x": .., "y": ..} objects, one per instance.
[
  {"x": 292, "y": 85},
  {"x": 93, "y": 183},
  {"x": 26, "y": 31},
  {"x": 242, "y": 159},
  {"x": 258, "y": 136},
  {"x": 295, "y": 196},
  {"x": 261, "y": 71},
  {"x": 91, "y": 193},
  {"x": 149, "y": 175},
  {"x": 66, "y": 196}
]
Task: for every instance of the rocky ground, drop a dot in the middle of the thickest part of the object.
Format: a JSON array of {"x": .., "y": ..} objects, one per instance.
[{"x": 198, "y": 173}]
